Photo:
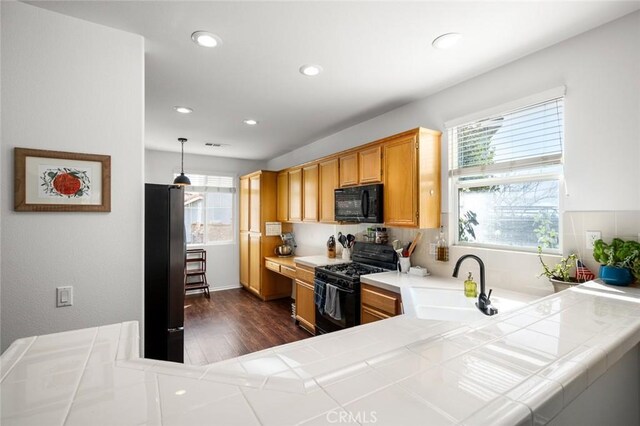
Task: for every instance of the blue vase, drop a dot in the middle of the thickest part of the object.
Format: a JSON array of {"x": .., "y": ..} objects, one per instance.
[{"x": 615, "y": 276}]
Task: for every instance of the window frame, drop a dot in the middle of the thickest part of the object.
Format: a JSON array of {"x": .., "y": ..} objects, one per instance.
[
  {"x": 454, "y": 176},
  {"x": 234, "y": 207}
]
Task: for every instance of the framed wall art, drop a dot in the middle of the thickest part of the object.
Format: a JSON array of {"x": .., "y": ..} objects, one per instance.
[{"x": 54, "y": 181}]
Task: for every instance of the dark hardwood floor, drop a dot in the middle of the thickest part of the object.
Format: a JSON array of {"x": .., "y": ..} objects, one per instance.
[{"x": 233, "y": 323}]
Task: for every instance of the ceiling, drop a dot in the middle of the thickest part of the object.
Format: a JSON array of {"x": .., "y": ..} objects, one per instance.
[{"x": 376, "y": 57}]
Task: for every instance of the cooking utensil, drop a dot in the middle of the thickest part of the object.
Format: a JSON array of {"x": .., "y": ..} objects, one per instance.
[
  {"x": 351, "y": 239},
  {"x": 342, "y": 239},
  {"x": 283, "y": 250},
  {"x": 395, "y": 244},
  {"x": 415, "y": 242}
]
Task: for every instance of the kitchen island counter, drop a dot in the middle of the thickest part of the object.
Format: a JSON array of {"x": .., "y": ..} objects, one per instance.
[{"x": 528, "y": 366}]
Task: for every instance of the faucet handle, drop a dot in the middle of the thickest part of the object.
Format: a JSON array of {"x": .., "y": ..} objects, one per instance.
[{"x": 489, "y": 295}]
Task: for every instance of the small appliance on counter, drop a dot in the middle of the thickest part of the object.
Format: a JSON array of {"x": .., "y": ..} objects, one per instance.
[{"x": 288, "y": 246}]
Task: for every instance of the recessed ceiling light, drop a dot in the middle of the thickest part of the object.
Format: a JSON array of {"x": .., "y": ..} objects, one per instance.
[
  {"x": 310, "y": 70},
  {"x": 445, "y": 41},
  {"x": 183, "y": 109},
  {"x": 205, "y": 39},
  {"x": 250, "y": 122}
]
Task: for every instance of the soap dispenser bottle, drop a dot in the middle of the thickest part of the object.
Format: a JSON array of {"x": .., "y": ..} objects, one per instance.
[{"x": 470, "y": 287}]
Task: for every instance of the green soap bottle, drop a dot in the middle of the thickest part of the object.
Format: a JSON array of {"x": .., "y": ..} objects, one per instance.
[{"x": 470, "y": 287}]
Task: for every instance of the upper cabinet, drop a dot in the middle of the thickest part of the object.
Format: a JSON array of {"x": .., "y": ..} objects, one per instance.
[
  {"x": 244, "y": 201},
  {"x": 408, "y": 164},
  {"x": 254, "y": 203},
  {"x": 369, "y": 165},
  {"x": 411, "y": 173},
  {"x": 295, "y": 195},
  {"x": 310, "y": 193},
  {"x": 328, "y": 181},
  {"x": 283, "y": 196},
  {"x": 349, "y": 169}
]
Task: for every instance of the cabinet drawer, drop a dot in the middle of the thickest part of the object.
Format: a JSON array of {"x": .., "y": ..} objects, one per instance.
[
  {"x": 381, "y": 300},
  {"x": 305, "y": 274},
  {"x": 288, "y": 271},
  {"x": 272, "y": 265},
  {"x": 368, "y": 315}
]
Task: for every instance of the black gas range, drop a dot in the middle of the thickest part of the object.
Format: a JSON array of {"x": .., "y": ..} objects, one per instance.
[{"x": 337, "y": 287}]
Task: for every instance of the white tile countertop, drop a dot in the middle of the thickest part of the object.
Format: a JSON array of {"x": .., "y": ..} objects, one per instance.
[
  {"x": 514, "y": 368},
  {"x": 319, "y": 260}
]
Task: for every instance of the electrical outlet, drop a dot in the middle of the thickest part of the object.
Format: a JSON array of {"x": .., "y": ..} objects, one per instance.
[
  {"x": 64, "y": 296},
  {"x": 591, "y": 237}
]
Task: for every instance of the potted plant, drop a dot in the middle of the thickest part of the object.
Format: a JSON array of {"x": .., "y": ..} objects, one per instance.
[
  {"x": 619, "y": 261},
  {"x": 560, "y": 274}
]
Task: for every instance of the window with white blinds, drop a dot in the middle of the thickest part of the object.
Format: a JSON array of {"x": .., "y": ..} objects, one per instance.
[
  {"x": 204, "y": 183},
  {"x": 505, "y": 170}
]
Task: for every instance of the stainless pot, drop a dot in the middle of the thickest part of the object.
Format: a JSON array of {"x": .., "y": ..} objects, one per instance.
[{"x": 283, "y": 250}]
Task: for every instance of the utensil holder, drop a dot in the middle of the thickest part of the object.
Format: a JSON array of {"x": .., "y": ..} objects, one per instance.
[
  {"x": 405, "y": 264},
  {"x": 346, "y": 253}
]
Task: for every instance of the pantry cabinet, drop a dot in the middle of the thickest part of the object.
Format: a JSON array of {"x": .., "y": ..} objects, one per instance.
[
  {"x": 305, "y": 305},
  {"x": 328, "y": 181},
  {"x": 295, "y": 195},
  {"x": 258, "y": 206},
  {"x": 310, "y": 193},
  {"x": 411, "y": 171},
  {"x": 378, "y": 304},
  {"x": 282, "y": 184}
]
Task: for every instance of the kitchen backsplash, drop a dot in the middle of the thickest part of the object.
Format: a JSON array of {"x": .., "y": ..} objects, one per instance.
[{"x": 516, "y": 271}]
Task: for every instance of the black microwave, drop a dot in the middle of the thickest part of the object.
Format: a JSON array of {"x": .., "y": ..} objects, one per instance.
[{"x": 360, "y": 204}]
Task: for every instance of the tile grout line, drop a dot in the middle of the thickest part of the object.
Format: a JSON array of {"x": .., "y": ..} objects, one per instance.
[{"x": 84, "y": 368}]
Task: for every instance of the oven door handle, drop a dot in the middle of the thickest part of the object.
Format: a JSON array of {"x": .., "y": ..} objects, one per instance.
[{"x": 344, "y": 290}]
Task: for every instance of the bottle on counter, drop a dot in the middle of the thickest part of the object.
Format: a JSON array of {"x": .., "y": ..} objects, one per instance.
[
  {"x": 470, "y": 287},
  {"x": 331, "y": 247},
  {"x": 442, "y": 249}
]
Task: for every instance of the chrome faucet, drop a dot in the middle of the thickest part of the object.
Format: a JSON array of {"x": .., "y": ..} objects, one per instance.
[{"x": 484, "y": 301}]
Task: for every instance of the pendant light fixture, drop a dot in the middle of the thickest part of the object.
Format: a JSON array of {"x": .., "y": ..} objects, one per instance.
[{"x": 182, "y": 179}]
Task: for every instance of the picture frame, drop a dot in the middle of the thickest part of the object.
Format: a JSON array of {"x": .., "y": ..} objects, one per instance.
[{"x": 58, "y": 181}]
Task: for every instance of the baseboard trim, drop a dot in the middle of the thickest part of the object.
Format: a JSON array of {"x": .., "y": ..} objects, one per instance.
[{"x": 226, "y": 287}]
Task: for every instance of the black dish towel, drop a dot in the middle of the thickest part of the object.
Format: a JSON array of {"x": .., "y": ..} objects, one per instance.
[{"x": 319, "y": 294}]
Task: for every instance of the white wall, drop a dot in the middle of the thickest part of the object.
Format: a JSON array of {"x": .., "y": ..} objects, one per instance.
[
  {"x": 601, "y": 70},
  {"x": 71, "y": 85},
  {"x": 223, "y": 260}
]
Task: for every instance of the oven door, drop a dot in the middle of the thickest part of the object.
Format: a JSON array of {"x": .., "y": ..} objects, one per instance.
[{"x": 349, "y": 307}]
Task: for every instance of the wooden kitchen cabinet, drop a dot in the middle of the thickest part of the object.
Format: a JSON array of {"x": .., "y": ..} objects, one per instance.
[
  {"x": 258, "y": 206},
  {"x": 377, "y": 304},
  {"x": 328, "y": 181},
  {"x": 305, "y": 302},
  {"x": 411, "y": 171},
  {"x": 349, "y": 169},
  {"x": 369, "y": 165},
  {"x": 310, "y": 193},
  {"x": 282, "y": 183},
  {"x": 295, "y": 195}
]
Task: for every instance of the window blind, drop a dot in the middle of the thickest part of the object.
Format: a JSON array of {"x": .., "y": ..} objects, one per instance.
[
  {"x": 521, "y": 138},
  {"x": 205, "y": 183}
]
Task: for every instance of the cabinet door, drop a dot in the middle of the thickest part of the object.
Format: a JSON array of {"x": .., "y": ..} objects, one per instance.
[
  {"x": 255, "y": 263},
  {"x": 254, "y": 203},
  {"x": 310, "y": 193},
  {"x": 244, "y": 258},
  {"x": 368, "y": 315},
  {"x": 401, "y": 182},
  {"x": 295, "y": 195},
  {"x": 349, "y": 170},
  {"x": 370, "y": 167},
  {"x": 244, "y": 204},
  {"x": 329, "y": 180},
  {"x": 282, "y": 211},
  {"x": 305, "y": 307}
]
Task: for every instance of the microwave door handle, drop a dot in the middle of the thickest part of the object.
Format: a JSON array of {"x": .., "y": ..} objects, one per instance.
[{"x": 365, "y": 204}]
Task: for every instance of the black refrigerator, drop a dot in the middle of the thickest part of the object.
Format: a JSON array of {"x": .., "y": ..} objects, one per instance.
[{"x": 164, "y": 257}]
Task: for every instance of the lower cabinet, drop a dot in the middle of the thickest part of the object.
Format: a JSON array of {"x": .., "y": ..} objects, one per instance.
[
  {"x": 305, "y": 305},
  {"x": 378, "y": 304}
]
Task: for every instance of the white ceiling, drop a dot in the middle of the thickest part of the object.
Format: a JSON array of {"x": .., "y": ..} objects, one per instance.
[{"x": 376, "y": 56}]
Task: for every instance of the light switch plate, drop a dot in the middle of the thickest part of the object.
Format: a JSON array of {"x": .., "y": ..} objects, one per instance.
[
  {"x": 591, "y": 237},
  {"x": 64, "y": 296}
]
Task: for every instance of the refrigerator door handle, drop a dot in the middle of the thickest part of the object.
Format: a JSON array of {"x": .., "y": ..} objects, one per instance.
[{"x": 175, "y": 330}]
